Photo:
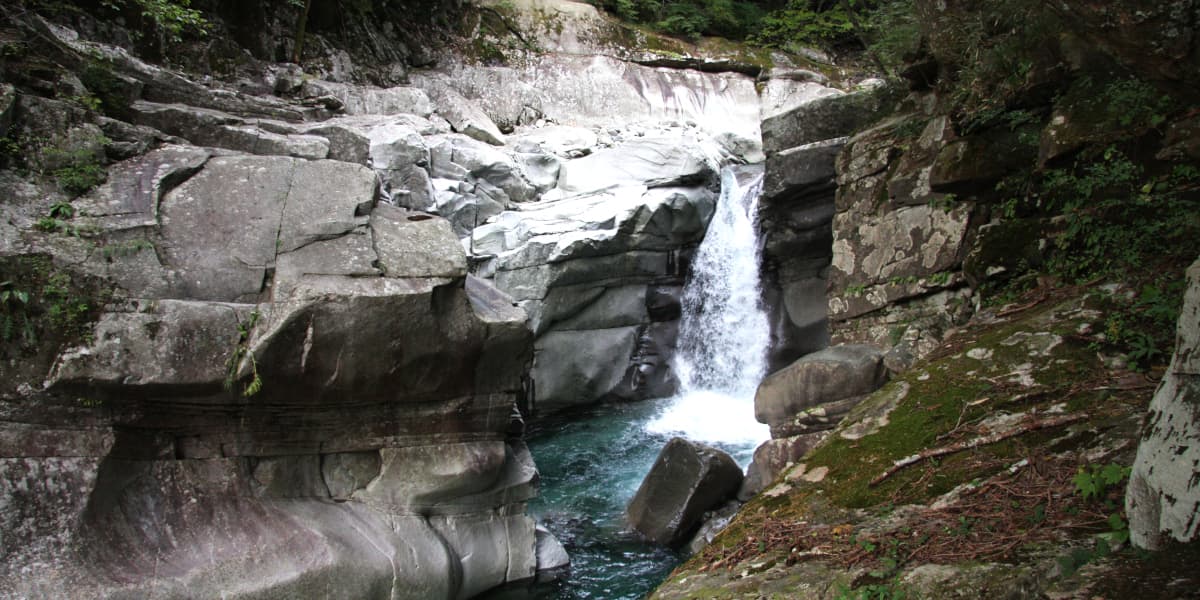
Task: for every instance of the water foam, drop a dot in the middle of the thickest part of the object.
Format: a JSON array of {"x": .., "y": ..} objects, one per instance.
[{"x": 723, "y": 332}]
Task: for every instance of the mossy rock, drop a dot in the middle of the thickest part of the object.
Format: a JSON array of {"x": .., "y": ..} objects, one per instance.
[
  {"x": 1002, "y": 250},
  {"x": 998, "y": 372}
]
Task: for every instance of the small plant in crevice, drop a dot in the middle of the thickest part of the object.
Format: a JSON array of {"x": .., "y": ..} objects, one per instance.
[
  {"x": 124, "y": 249},
  {"x": 81, "y": 168},
  {"x": 241, "y": 352},
  {"x": 15, "y": 321},
  {"x": 1099, "y": 485}
]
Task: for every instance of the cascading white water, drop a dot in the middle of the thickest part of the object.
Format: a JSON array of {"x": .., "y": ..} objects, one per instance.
[{"x": 723, "y": 332}]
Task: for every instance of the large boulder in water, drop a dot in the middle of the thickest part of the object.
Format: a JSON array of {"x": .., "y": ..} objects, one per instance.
[{"x": 687, "y": 479}]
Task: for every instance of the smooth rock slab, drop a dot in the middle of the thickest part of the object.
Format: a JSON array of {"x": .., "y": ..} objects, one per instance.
[
  {"x": 686, "y": 480},
  {"x": 657, "y": 161}
]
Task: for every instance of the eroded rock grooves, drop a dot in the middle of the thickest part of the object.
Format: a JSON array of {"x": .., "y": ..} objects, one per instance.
[{"x": 316, "y": 308}]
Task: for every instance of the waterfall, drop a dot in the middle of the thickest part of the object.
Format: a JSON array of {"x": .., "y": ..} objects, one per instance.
[{"x": 723, "y": 332}]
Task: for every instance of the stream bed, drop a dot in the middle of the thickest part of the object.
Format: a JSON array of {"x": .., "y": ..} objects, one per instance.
[{"x": 591, "y": 464}]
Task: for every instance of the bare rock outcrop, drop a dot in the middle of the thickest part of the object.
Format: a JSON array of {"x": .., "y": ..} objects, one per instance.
[{"x": 1163, "y": 497}]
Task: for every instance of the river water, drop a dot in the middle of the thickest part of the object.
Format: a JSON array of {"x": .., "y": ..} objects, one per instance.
[{"x": 591, "y": 463}]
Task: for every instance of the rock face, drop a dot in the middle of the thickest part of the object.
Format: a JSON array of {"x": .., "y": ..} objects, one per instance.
[
  {"x": 313, "y": 315},
  {"x": 686, "y": 480},
  {"x": 1163, "y": 497},
  {"x": 802, "y": 144},
  {"x": 600, "y": 266},
  {"x": 283, "y": 388}
]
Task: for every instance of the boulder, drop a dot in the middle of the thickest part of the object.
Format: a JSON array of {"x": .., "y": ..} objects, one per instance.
[
  {"x": 552, "y": 559},
  {"x": 465, "y": 117},
  {"x": 790, "y": 171},
  {"x": 209, "y": 127},
  {"x": 159, "y": 343},
  {"x": 686, "y": 480},
  {"x": 771, "y": 458},
  {"x": 715, "y": 521},
  {"x": 821, "y": 378},
  {"x": 824, "y": 118},
  {"x": 221, "y": 240},
  {"x": 1163, "y": 496},
  {"x": 564, "y": 141}
]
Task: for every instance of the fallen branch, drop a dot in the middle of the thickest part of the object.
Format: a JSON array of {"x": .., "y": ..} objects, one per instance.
[{"x": 999, "y": 436}]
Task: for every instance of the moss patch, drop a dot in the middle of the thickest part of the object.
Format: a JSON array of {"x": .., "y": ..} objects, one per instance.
[{"x": 1013, "y": 365}]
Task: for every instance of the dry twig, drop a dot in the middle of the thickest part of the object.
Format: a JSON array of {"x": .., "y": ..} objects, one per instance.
[{"x": 1027, "y": 426}]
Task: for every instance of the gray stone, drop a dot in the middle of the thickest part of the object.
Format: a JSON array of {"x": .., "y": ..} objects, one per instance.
[
  {"x": 552, "y": 558},
  {"x": 208, "y": 127},
  {"x": 323, "y": 200},
  {"x": 833, "y": 374},
  {"x": 789, "y": 89},
  {"x": 156, "y": 343},
  {"x": 1163, "y": 496},
  {"x": 659, "y": 161},
  {"x": 369, "y": 100},
  {"x": 540, "y": 170},
  {"x": 346, "y": 143},
  {"x": 351, "y": 255},
  {"x": 130, "y": 196},
  {"x": 464, "y": 115},
  {"x": 824, "y": 118},
  {"x": 221, "y": 229},
  {"x": 414, "y": 479},
  {"x": 8, "y": 101},
  {"x": 614, "y": 307},
  {"x": 573, "y": 368},
  {"x": 715, "y": 521},
  {"x": 564, "y": 141},
  {"x": 771, "y": 458},
  {"x": 412, "y": 244},
  {"x": 347, "y": 472},
  {"x": 288, "y": 477},
  {"x": 395, "y": 145},
  {"x": 686, "y": 480},
  {"x": 790, "y": 171},
  {"x": 491, "y": 549}
]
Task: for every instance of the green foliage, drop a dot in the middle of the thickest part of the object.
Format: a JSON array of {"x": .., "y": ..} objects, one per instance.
[
  {"x": 15, "y": 320},
  {"x": 1116, "y": 217},
  {"x": 1132, "y": 103},
  {"x": 81, "y": 170},
  {"x": 733, "y": 19},
  {"x": 1099, "y": 483},
  {"x": 989, "y": 51},
  {"x": 895, "y": 32},
  {"x": 800, "y": 23},
  {"x": 123, "y": 249},
  {"x": 42, "y": 305},
  {"x": 1093, "y": 482},
  {"x": 171, "y": 18},
  {"x": 241, "y": 353}
]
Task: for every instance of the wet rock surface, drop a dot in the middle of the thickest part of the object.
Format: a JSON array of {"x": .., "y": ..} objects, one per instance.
[{"x": 686, "y": 480}]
